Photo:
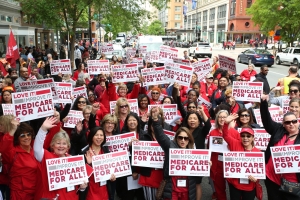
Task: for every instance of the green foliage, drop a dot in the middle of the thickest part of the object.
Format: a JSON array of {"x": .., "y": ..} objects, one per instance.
[
  {"x": 267, "y": 15},
  {"x": 155, "y": 28}
]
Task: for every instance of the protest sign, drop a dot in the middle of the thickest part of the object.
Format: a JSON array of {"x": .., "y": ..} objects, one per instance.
[
  {"x": 119, "y": 142},
  {"x": 189, "y": 162},
  {"x": 79, "y": 91},
  {"x": 286, "y": 159},
  {"x": 64, "y": 92},
  {"x": 202, "y": 68},
  {"x": 247, "y": 91},
  {"x": 105, "y": 165},
  {"x": 170, "y": 110},
  {"x": 152, "y": 56},
  {"x": 218, "y": 144},
  {"x": 147, "y": 154},
  {"x": 227, "y": 63},
  {"x": 133, "y": 104},
  {"x": 66, "y": 171},
  {"x": 182, "y": 61},
  {"x": 39, "y": 84},
  {"x": 143, "y": 50},
  {"x": 125, "y": 73},
  {"x": 261, "y": 138},
  {"x": 60, "y": 66},
  {"x": 243, "y": 164},
  {"x": 33, "y": 104},
  {"x": 8, "y": 109},
  {"x": 178, "y": 73},
  {"x": 138, "y": 61},
  {"x": 257, "y": 117},
  {"x": 74, "y": 116},
  {"x": 153, "y": 76},
  {"x": 285, "y": 105},
  {"x": 130, "y": 52},
  {"x": 167, "y": 53},
  {"x": 107, "y": 49},
  {"x": 204, "y": 102},
  {"x": 276, "y": 114},
  {"x": 98, "y": 66},
  {"x": 170, "y": 134}
]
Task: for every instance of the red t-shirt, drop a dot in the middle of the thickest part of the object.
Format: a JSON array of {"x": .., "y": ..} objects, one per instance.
[{"x": 179, "y": 189}]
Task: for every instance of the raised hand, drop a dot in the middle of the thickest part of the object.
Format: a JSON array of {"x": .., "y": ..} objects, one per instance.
[
  {"x": 231, "y": 117},
  {"x": 79, "y": 127},
  {"x": 154, "y": 113},
  {"x": 48, "y": 123},
  {"x": 96, "y": 107},
  {"x": 112, "y": 177},
  {"x": 89, "y": 154}
]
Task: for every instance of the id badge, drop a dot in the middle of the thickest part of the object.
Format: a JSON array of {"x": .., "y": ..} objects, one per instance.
[
  {"x": 181, "y": 182},
  {"x": 70, "y": 188},
  {"x": 244, "y": 181},
  {"x": 220, "y": 158},
  {"x": 102, "y": 183}
]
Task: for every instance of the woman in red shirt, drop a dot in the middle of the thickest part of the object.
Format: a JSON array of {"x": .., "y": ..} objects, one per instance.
[
  {"x": 244, "y": 143},
  {"x": 122, "y": 109},
  {"x": 80, "y": 70},
  {"x": 114, "y": 94},
  {"x": 248, "y": 73}
]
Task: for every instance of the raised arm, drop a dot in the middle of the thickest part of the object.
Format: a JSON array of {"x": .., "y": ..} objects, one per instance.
[
  {"x": 230, "y": 134},
  {"x": 40, "y": 138}
]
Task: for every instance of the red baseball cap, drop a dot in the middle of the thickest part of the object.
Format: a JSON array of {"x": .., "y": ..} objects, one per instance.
[{"x": 247, "y": 130}]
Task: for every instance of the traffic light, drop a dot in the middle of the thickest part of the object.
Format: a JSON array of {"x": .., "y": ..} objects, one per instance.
[{"x": 185, "y": 18}]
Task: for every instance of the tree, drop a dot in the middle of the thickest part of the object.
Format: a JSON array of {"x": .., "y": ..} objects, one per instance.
[
  {"x": 271, "y": 13},
  {"x": 155, "y": 28}
]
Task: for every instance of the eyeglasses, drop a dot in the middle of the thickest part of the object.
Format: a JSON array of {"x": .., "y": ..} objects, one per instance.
[
  {"x": 245, "y": 115},
  {"x": 245, "y": 136},
  {"x": 220, "y": 117},
  {"x": 228, "y": 97},
  {"x": 87, "y": 113},
  {"x": 91, "y": 95},
  {"x": 124, "y": 106},
  {"x": 183, "y": 138},
  {"x": 81, "y": 102},
  {"x": 294, "y": 121},
  {"x": 155, "y": 93},
  {"x": 295, "y": 91},
  {"x": 190, "y": 107},
  {"x": 109, "y": 123},
  {"x": 23, "y": 135}
]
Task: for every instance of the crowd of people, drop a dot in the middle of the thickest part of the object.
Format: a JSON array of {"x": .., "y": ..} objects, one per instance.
[{"x": 26, "y": 146}]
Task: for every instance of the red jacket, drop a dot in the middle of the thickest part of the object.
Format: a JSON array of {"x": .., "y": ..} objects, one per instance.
[
  {"x": 101, "y": 112},
  {"x": 246, "y": 75},
  {"x": 113, "y": 96},
  {"x": 51, "y": 134},
  {"x": 235, "y": 144},
  {"x": 207, "y": 91},
  {"x": 3, "y": 175}
]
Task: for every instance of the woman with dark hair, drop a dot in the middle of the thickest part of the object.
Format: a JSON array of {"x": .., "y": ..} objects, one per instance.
[
  {"x": 245, "y": 119},
  {"x": 143, "y": 102},
  {"x": 79, "y": 72},
  {"x": 80, "y": 102},
  {"x": 92, "y": 97},
  {"x": 6, "y": 99},
  {"x": 114, "y": 60},
  {"x": 18, "y": 159},
  {"x": 96, "y": 139},
  {"x": 167, "y": 100}
]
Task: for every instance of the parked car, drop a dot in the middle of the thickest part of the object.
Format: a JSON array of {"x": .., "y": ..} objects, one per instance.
[
  {"x": 185, "y": 45},
  {"x": 256, "y": 57},
  {"x": 289, "y": 55},
  {"x": 200, "y": 49},
  {"x": 275, "y": 46}
]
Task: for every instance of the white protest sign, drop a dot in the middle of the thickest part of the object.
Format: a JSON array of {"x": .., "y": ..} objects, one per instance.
[
  {"x": 180, "y": 74},
  {"x": 170, "y": 134},
  {"x": 218, "y": 144},
  {"x": 170, "y": 110},
  {"x": 286, "y": 159},
  {"x": 79, "y": 91},
  {"x": 98, "y": 66},
  {"x": 119, "y": 142},
  {"x": 261, "y": 138},
  {"x": 276, "y": 114},
  {"x": 74, "y": 116},
  {"x": 125, "y": 73},
  {"x": 107, "y": 48},
  {"x": 60, "y": 66},
  {"x": 202, "y": 68},
  {"x": 8, "y": 109},
  {"x": 154, "y": 76},
  {"x": 147, "y": 154},
  {"x": 247, "y": 91},
  {"x": 227, "y": 63},
  {"x": 143, "y": 50},
  {"x": 257, "y": 117},
  {"x": 204, "y": 102},
  {"x": 244, "y": 164},
  {"x": 181, "y": 61},
  {"x": 64, "y": 92},
  {"x": 133, "y": 103},
  {"x": 138, "y": 61},
  {"x": 66, "y": 171},
  {"x": 39, "y": 84},
  {"x": 167, "y": 53},
  {"x": 189, "y": 162},
  {"x": 152, "y": 56},
  {"x": 116, "y": 163},
  {"x": 130, "y": 52},
  {"x": 33, "y": 104},
  {"x": 285, "y": 106}
]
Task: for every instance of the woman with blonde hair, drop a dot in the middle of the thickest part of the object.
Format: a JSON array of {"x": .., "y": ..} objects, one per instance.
[
  {"x": 122, "y": 91},
  {"x": 122, "y": 109},
  {"x": 109, "y": 124}
]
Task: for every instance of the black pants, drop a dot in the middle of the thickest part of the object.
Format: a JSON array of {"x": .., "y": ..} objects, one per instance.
[
  {"x": 125, "y": 194},
  {"x": 272, "y": 190},
  {"x": 77, "y": 62},
  {"x": 5, "y": 191},
  {"x": 236, "y": 194}
]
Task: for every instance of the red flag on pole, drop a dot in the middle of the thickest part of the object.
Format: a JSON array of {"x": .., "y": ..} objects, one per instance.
[{"x": 12, "y": 53}]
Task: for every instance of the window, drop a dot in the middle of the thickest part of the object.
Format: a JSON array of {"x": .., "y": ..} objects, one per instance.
[
  {"x": 221, "y": 11},
  {"x": 177, "y": 8},
  {"x": 249, "y": 3},
  {"x": 232, "y": 7},
  {"x": 205, "y": 16},
  {"x": 199, "y": 18},
  {"x": 177, "y": 24},
  {"x": 177, "y": 17},
  {"x": 212, "y": 14},
  {"x": 2, "y": 18},
  {"x": 8, "y": 19}
]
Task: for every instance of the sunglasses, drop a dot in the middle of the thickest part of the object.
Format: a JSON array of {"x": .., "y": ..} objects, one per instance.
[
  {"x": 210, "y": 78},
  {"x": 183, "y": 138},
  {"x": 191, "y": 107},
  {"x": 124, "y": 106},
  {"x": 295, "y": 91},
  {"x": 294, "y": 121},
  {"x": 227, "y": 97},
  {"x": 154, "y": 93},
  {"x": 81, "y": 102},
  {"x": 245, "y": 115},
  {"x": 23, "y": 135},
  {"x": 245, "y": 136}
]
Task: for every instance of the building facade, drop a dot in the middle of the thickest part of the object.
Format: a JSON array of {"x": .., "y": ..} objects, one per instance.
[{"x": 208, "y": 20}]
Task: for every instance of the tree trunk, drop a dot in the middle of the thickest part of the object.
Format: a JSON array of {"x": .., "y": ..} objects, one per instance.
[{"x": 72, "y": 45}]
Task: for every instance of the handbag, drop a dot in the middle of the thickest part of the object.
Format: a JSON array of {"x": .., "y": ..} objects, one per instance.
[
  {"x": 160, "y": 190},
  {"x": 258, "y": 191},
  {"x": 290, "y": 187}
]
